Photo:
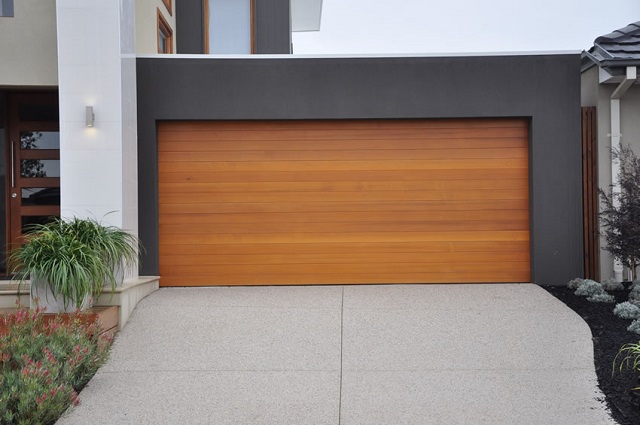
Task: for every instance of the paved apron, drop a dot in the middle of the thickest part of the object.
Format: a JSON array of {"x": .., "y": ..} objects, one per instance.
[{"x": 395, "y": 354}]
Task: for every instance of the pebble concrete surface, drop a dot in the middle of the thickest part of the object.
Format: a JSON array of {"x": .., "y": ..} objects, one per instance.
[{"x": 371, "y": 354}]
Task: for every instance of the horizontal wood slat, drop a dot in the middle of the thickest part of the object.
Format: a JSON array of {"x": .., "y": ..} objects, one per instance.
[
  {"x": 450, "y": 205},
  {"x": 467, "y": 175},
  {"x": 343, "y": 258},
  {"x": 390, "y": 247},
  {"x": 348, "y": 227},
  {"x": 340, "y": 155},
  {"x": 394, "y": 275},
  {"x": 379, "y": 237},
  {"x": 340, "y": 268},
  {"x": 332, "y": 125},
  {"x": 408, "y": 164},
  {"x": 342, "y": 186},
  {"x": 175, "y": 143},
  {"x": 330, "y": 202},
  {"x": 344, "y": 217},
  {"x": 368, "y": 196}
]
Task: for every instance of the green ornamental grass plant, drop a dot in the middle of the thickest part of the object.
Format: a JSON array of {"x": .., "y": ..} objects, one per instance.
[
  {"x": 75, "y": 257},
  {"x": 629, "y": 358}
]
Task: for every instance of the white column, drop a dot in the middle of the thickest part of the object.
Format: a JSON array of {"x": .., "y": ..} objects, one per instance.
[
  {"x": 615, "y": 170},
  {"x": 96, "y": 67}
]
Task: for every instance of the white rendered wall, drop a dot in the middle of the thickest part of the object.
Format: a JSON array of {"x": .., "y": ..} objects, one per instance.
[
  {"x": 147, "y": 24},
  {"x": 96, "y": 67},
  {"x": 599, "y": 95},
  {"x": 28, "y": 45}
]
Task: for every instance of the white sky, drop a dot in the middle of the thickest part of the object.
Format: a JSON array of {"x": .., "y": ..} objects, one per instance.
[{"x": 455, "y": 26}]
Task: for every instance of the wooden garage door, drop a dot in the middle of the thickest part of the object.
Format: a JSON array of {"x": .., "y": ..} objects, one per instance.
[{"x": 342, "y": 202}]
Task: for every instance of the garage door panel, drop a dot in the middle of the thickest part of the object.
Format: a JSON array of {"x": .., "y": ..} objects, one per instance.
[
  {"x": 343, "y": 258},
  {"x": 428, "y": 247},
  {"x": 346, "y": 227},
  {"x": 342, "y": 186},
  {"x": 344, "y": 216},
  {"x": 381, "y": 237},
  {"x": 438, "y": 164},
  {"x": 329, "y": 196},
  {"x": 346, "y": 134},
  {"x": 239, "y": 207},
  {"x": 324, "y": 125},
  {"x": 344, "y": 278},
  {"x": 341, "y": 155},
  {"x": 170, "y": 176},
  {"x": 345, "y": 268},
  {"x": 343, "y": 202},
  {"x": 175, "y": 143}
]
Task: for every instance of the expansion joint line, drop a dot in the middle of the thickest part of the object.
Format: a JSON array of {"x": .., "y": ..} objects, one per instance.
[{"x": 341, "y": 348}]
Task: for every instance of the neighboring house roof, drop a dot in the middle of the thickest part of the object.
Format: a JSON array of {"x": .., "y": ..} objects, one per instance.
[{"x": 621, "y": 48}]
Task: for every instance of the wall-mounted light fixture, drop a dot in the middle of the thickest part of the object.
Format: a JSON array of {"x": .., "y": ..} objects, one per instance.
[{"x": 89, "y": 116}]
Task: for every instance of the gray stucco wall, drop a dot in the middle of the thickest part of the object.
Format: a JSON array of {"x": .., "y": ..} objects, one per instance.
[
  {"x": 272, "y": 26},
  {"x": 544, "y": 88},
  {"x": 589, "y": 87},
  {"x": 189, "y": 27}
]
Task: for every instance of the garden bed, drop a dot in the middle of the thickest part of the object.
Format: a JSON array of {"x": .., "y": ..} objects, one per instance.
[{"x": 609, "y": 334}]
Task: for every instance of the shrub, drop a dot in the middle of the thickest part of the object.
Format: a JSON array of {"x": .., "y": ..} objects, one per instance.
[
  {"x": 574, "y": 283},
  {"x": 634, "y": 284},
  {"x": 43, "y": 365},
  {"x": 601, "y": 298},
  {"x": 634, "y": 294},
  {"x": 612, "y": 285},
  {"x": 620, "y": 209},
  {"x": 588, "y": 288},
  {"x": 627, "y": 310},
  {"x": 634, "y": 327}
]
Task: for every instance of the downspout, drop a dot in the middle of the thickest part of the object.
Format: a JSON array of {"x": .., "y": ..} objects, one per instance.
[{"x": 629, "y": 79}]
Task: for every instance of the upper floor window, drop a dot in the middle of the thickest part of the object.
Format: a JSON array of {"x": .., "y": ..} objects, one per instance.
[
  {"x": 228, "y": 26},
  {"x": 6, "y": 7},
  {"x": 165, "y": 35}
]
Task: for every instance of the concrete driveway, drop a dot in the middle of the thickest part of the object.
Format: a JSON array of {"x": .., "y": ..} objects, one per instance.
[{"x": 394, "y": 354}]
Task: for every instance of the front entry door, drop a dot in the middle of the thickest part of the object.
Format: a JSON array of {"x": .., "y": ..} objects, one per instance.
[{"x": 33, "y": 186}]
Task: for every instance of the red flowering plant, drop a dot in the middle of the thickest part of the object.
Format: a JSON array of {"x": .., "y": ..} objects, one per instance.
[{"x": 44, "y": 364}]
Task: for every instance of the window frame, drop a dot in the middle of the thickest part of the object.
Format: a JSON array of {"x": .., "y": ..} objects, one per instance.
[
  {"x": 205, "y": 16},
  {"x": 165, "y": 29}
]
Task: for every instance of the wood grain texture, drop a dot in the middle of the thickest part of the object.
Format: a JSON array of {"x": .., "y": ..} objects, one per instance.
[{"x": 343, "y": 202}]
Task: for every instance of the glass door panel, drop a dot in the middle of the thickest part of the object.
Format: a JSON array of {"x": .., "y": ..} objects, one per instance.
[{"x": 34, "y": 159}]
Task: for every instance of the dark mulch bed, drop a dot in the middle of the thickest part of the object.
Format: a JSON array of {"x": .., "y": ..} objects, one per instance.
[{"x": 609, "y": 334}]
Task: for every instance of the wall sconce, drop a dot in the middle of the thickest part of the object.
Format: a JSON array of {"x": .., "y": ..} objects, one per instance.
[{"x": 89, "y": 116}]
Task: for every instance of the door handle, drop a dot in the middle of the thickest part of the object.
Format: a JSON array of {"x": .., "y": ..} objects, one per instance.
[{"x": 13, "y": 165}]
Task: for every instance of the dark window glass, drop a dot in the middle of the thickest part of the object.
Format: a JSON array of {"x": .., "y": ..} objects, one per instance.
[
  {"x": 30, "y": 220},
  {"x": 41, "y": 196},
  {"x": 38, "y": 112},
  {"x": 40, "y": 168},
  {"x": 39, "y": 140}
]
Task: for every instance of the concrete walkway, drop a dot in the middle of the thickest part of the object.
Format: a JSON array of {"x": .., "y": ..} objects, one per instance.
[{"x": 396, "y": 354}]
